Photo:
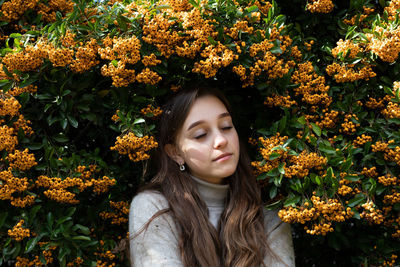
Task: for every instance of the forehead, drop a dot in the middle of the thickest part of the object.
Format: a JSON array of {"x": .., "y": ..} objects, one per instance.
[{"x": 205, "y": 108}]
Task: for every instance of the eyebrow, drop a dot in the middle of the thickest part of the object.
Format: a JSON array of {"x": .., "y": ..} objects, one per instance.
[{"x": 194, "y": 124}]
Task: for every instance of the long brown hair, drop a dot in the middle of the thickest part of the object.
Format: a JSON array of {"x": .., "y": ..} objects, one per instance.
[{"x": 240, "y": 238}]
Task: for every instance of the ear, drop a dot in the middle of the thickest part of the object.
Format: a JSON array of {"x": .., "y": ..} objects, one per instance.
[{"x": 172, "y": 152}]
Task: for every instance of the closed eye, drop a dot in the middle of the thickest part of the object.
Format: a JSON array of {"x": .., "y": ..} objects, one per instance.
[
  {"x": 199, "y": 136},
  {"x": 202, "y": 135}
]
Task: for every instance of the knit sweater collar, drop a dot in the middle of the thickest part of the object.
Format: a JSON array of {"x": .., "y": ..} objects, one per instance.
[{"x": 214, "y": 195}]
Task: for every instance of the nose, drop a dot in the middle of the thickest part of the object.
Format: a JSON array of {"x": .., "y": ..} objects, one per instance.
[{"x": 220, "y": 140}]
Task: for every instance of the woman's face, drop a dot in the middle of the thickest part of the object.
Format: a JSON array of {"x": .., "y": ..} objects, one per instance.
[{"x": 208, "y": 142}]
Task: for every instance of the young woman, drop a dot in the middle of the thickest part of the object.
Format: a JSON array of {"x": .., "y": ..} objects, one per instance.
[{"x": 203, "y": 208}]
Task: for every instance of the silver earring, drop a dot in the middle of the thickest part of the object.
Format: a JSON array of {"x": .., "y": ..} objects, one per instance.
[{"x": 182, "y": 167}]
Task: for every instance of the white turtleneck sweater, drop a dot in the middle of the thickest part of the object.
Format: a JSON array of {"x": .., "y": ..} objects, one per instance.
[{"x": 158, "y": 245}]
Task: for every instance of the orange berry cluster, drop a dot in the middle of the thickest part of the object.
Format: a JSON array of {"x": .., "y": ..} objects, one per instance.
[
  {"x": 361, "y": 17},
  {"x": 381, "y": 146},
  {"x": 21, "y": 123},
  {"x": 373, "y": 103},
  {"x": 302, "y": 164},
  {"x": 239, "y": 26},
  {"x": 346, "y": 48},
  {"x": 118, "y": 217},
  {"x": 14, "y": 9},
  {"x": 151, "y": 110},
  {"x": 361, "y": 140},
  {"x": 392, "y": 9},
  {"x": 18, "y": 233},
  {"x": 216, "y": 57},
  {"x": 120, "y": 76},
  {"x": 61, "y": 196},
  {"x": 392, "y": 261},
  {"x": 148, "y": 76},
  {"x": 320, "y": 6},
  {"x": 386, "y": 45},
  {"x": 348, "y": 126},
  {"x": 77, "y": 262},
  {"x": 388, "y": 180},
  {"x": 135, "y": 147},
  {"x": 48, "y": 12},
  {"x": 323, "y": 213},
  {"x": 268, "y": 145},
  {"x": 391, "y": 111},
  {"x": 9, "y": 106},
  {"x": 8, "y": 138},
  {"x": 311, "y": 86},
  {"x": 296, "y": 53},
  {"x": 48, "y": 255},
  {"x": 308, "y": 45},
  {"x": 57, "y": 187},
  {"x": 371, "y": 213},
  {"x": 22, "y": 160},
  {"x": 30, "y": 59},
  {"x": 344, "y": 190},
  {"x": 265, "y": 61},
  {"x": 393, "y": 198},
  {"x": 115, "y": 117},
  {"x": 279, "y": 101},
  {"x": 16, "y": 91},
  {"x": 369, "y": 172},
  {"x": 156, "y": 31},
  {"x": 85, "y": 57},
  {"x": 10, "y": 185},
  {"x": 388, "y": 153},
  {"x": 123, "y": 51},
  {"x": 348, "y": 73},
  {"x": 328, "y": 120},
  {"x": 60, "y": 57},
  {"x": 263, "y": 6},
  {"x": 150, "y": 60},
  {"x": 353, "y": 19}
]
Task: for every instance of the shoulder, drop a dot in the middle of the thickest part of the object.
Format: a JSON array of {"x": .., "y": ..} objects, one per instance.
[
  {"x": 279, "y": 236},
  {"x": 144, "y": 206},
  {"x": 271, "y": 220},
  {"x": 149, "y": 199}
]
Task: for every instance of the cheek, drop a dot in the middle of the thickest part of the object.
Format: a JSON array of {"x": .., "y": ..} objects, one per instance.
[{"x": 195, "y": 153}]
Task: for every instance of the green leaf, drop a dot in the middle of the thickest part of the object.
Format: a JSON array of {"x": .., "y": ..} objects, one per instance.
[
  {"x": 302, "y": 120},
  {"x": 316, "y": 129},
  {"x": 262, "y": 176},
  {"x": 3, "y": 217},
  {"x": 211, "y": 40},
  {"x": 81, "y": 237},
  {"x": 273, "y": 191},
  {"x": 251, "y": 9},
  {"x": 292, "y": 201},
  {"x": 281, "y": 168},
  {"x": 30, "y": 245},
  {"x": 358, "y": 199},
  {"x": 72, "y": 121},
  {"x": 274, "y": 156},
  {"x": 139, "y": 120},
  {"x": 84, "y": 230}
]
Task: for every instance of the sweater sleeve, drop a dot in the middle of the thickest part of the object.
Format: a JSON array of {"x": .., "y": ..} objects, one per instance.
[
  {"x": 279, "y": 238},
  {"x": 156, "y": 246}
]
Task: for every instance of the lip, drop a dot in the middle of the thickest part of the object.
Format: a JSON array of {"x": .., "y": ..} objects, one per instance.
[{"x": 223, "y": 156}]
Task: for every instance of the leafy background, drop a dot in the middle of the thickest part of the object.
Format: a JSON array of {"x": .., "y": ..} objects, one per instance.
[{"x": 315, "y": 91}]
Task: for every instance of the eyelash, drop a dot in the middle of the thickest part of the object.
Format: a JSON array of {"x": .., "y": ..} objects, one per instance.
[{"x": 224, "y": 128}]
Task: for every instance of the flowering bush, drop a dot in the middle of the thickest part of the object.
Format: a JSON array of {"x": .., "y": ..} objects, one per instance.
[{"x": 315, "y": 90}]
